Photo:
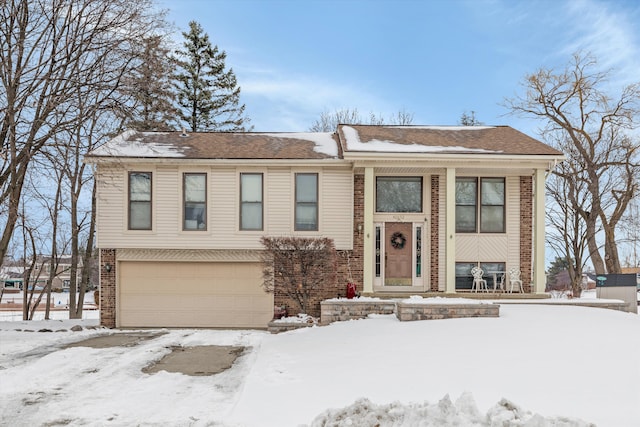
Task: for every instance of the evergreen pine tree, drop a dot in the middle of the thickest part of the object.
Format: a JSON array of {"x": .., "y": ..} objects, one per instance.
[
  {"x": 151, "y": 88},
  {"x": 208, "y": 95}
]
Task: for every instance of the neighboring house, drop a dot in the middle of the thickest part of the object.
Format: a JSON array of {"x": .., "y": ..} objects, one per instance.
[
  {"x": 411, "y": 209},
  {"x": 40, "y": 274}
]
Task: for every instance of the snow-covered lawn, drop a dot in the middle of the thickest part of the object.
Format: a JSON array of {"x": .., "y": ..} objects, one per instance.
[{"x": 561, "y": 362}]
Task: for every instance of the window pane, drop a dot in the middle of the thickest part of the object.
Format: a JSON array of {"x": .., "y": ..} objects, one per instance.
[
  {"x": 489, "y": 267},
  {"x": 464, "y": 279},
  {"x": 194, "y": 216},
  {"x": 465, "y": 219},
  {"x": 195, "y": 198},
  {"x": 306, "y": 187},
  {"x": 251, "y": 201},
  {"x": 251, "y": 216},
  {"x": 492, "y": 219},
  {"x": 306, "y": 217},
  {"x": 399, "y": 194},
  {"x": 195, "y": 187},
  {"x": 466, "y": 191},
  {"x": 140, "y": 200},
  {"x": 251, "y": 187},
  {"x": 140, "y": 186},
  {"x": 140, "y": 215},
  {"x": 306, "y": 202},
  {"x": 493, "y": 191}
]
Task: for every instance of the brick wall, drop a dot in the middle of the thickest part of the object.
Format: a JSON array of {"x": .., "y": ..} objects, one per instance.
[
  {"x": 108, "y": 288},
  {"x": 526, "y": 230},
  {"x": 435, "y": 235}
]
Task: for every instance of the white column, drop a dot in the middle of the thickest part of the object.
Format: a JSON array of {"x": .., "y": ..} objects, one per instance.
[
  {"x": 368, "y": 267},
  {"x": 450, "y": 238},
  {"x": 539, "y": 278}
]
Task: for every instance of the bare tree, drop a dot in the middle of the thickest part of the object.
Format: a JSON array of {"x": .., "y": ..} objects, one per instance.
[
  {"x": 51, "y": 51},
  {"x": 329, "y": 121},
  {"x": 568, "y": 232},
  {"x": 593, "y": 130},
  {"x": 298, "y": 267}
]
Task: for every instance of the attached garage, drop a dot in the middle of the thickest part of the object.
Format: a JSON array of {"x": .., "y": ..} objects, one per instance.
[{"x": 192, "y": 294}]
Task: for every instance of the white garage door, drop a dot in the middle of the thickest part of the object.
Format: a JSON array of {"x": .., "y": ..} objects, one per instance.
[{"x": 192, "y": 294}]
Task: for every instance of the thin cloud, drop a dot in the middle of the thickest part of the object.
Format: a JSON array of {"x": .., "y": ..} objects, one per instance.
[
  {"x": 610, "y": 35},
  {"x": 293, "y": 102}
]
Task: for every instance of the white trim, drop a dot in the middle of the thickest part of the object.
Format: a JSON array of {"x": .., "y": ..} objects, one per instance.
[{"x": 450, "y": 235}]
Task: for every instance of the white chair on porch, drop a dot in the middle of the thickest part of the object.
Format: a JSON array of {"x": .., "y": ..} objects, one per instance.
[
  {"x": 514, "y": 279},
  {"x": 478, "y": 281}
]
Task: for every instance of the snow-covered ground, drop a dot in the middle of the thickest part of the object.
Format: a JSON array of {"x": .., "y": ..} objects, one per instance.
[{"x": 535, "y": 365}]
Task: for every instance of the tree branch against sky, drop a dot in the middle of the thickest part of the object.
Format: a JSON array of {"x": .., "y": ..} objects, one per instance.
[
  {"x": 329, "y": 121},
  {"x": 51, "y": 52},
  {"x": 598, "y": 134}
]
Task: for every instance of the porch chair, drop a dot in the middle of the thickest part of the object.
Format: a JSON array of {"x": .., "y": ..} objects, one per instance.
[
  {"x": 514, "y": 278},
  {"x": 478, "y": 281}
]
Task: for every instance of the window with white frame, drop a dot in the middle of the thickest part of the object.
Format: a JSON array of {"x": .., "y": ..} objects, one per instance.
[
  {"x": 306, "y": 209},
  {"x": 251, "y": 206},
  {"x": 194, "y": 201},
  {"x": 139, "y": 200}
]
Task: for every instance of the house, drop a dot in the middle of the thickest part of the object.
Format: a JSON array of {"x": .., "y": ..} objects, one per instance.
[
  {"x": 411, "y": 209},
  {"x": 12, "y": 275}
]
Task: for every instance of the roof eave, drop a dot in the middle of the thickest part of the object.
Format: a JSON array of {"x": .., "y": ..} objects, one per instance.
[{"x": 104, "y": 160}]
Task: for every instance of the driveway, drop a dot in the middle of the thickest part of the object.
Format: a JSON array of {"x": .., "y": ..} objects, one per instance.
[{"x": 196, "y": 361}]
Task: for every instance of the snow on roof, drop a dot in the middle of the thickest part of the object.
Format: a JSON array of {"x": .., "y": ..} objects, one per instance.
[
  {"x": 324, "y": 142},
  {"x": 354, "y": 143},
  {"x": 126, "y": 145}
]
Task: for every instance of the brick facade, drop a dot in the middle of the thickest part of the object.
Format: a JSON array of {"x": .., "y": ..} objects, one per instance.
[
  {"x": 434, "y": 269},
  {"x": 108, "y": 288},
  {"x": 526, "y": 230}
]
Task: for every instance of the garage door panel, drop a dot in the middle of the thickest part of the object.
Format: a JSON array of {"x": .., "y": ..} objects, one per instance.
[{"x": 153, "y": 294}]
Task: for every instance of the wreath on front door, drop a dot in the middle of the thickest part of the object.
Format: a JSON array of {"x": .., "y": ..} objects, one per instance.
[{"x": 398, "y": 240}]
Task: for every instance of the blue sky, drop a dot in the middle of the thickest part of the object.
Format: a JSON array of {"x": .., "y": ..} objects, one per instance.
[{"x": 436, "y": 59}]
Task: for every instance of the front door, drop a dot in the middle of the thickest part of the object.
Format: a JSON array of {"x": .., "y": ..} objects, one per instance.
[{"x": 398, "y": 257}]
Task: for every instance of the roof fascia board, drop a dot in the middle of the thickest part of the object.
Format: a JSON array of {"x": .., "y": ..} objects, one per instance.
[
  {"x": 449, "y": 157},
  {"x": 235, "y": 162}
]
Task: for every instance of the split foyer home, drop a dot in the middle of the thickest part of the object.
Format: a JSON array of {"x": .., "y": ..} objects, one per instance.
[{"x": 411, "y": 210}]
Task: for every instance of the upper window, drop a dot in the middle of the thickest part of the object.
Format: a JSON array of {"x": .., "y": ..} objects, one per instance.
[
  {"x": 195, "y": 201},
  {"x": 251, "y": 201},
  {"x": 139, "y": 200},
  {"x": 490, "y": 210},
  {"x": 306, "y": 201},
  {"x": 399, "y": 194}
]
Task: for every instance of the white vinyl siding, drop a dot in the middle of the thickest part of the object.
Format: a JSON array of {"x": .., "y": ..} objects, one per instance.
[
  {"x": 495, "y": 247},
  {"x": 223, "y": 224}
]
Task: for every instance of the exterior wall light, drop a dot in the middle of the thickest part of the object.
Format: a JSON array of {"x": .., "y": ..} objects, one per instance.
[{"x": 107, "y": 267}]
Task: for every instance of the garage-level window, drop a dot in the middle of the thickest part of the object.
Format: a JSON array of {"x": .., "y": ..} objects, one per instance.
[
  {"x": 195, "y": 201},
  {"x": 251, "y": 210},
  {"x": 306, "y": 201},
  {"x": 490, "y": 210},
  {"x": 399, "y": 194},
  {"x": 139, "y": 200}
]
